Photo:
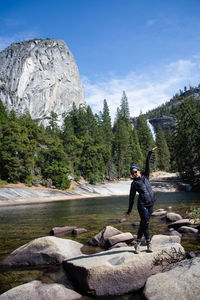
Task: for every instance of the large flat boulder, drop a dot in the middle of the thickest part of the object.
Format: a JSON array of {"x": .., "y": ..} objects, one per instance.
[
  {"x": 187, "y": 229},
  {"x": 161, "y": 239},
  {"x": 120, "y": 271},
  {"x": 36, "y": 290},
  {"x": 183, "y": 222},
  {"x": 181, "y": 282},
  {"x": 159, "y": 212},
  {"x": 44, "y": 250}
]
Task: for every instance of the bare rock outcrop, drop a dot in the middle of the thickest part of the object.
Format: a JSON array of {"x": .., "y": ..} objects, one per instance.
[
  {"x": 120, "y": 271},
  {"x": 181, "y": 282},
  {"x": 44, "y": 250},
  {"x": 160, "y": 239},
  {"x": 36, "y": 290},
  {"x": 40, "y": 76}
]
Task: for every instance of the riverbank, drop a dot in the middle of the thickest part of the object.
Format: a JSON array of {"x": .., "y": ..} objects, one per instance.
[{"x": 18, "y": 194}]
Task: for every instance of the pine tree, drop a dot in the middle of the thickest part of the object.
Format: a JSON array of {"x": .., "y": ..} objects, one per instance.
[
  {"x": 163, "y": 155},
  {"x": 107, "y": 138},
  {"x": 53, "y": 128},
  {"x": 171, "y": 144},
  {"x": 91, "y": 122},
  {"x": 122, "y": 144},
  {"x": 187, "y": 139},
  {"x": 137, "y": 155},
  {"x": 124, "y": 108}
]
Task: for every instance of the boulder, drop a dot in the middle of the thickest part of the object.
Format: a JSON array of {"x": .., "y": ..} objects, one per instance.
[
  {"x": 44, "y": 250},
  {"x": 179, "y": 223},
  {"x": 122, "y": 237},
  {"x": 181, "y": 282},
  {"x": 119, "y": 245},
  {"x": 158, "y": 213},
  {"x": 136, "y": 224},
  {"x": 36, "y": 290},
  {"x": 102, "y": 237},
  {"x": 120, "y": 271},
  {"x": 79, "y": 231},
  {"x": 171, "y": 231},
  {"x": 187, "y": 229},
  {"x": 59, "y": 230},
  {"x": 160, "y": 239},
  {"x": 172, "y": 217},
  {"x": 192, "y": 254},
  {"x": 122, "y": 220}
]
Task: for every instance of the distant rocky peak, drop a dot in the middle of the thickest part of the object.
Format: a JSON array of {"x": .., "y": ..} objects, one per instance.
[{"x": 40, "y": 76}]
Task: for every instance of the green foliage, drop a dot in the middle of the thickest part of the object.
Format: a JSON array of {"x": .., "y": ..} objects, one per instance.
[
  {"x": 52, "y": 162},
  {"x": 171, "y": 144},
  {"x": 136, "y": 154},
  {"x": 162, "y": 154},
  {"x": 187, "y": 139},
  {"x": 122, "y": 143},
  {"x": 3, "y": 182},
  {"x": 88, "y": 145},
  {"x": 194, "y": 213},
  {"x": 105, "y": 130}
]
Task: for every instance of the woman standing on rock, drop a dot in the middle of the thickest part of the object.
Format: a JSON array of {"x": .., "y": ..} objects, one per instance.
[{"x": 146, "y": 199}]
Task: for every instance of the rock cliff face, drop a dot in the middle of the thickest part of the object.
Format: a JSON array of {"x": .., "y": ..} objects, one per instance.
[
  {"x": 40, "y": 76},
  {"x": 163, "y": 122}
]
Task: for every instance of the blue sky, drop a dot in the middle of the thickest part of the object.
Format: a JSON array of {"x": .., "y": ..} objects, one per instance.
[{"x": 149, "y": 48}]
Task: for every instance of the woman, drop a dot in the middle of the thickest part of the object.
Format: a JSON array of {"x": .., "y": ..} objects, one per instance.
[{"x": 146, "y": 199}]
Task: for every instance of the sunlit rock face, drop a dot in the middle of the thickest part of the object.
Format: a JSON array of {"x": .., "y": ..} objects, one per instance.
[{"x": 40, "y": 76}]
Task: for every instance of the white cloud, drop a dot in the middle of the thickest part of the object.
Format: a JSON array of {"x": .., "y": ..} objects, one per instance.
[
  {"x": 151, "y": 22},
  {"x": 5, "y": 41},
  {"x": 144, "y": 91}
]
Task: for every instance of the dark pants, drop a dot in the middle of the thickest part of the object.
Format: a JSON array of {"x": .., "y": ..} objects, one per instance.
[{"x": 145, "y": 214}]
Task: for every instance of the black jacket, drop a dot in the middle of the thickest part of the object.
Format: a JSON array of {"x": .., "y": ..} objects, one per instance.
[{"x": 143, "y": 187}]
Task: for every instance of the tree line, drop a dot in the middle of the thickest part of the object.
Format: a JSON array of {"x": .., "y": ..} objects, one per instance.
[{"x": 89, "y": 145}]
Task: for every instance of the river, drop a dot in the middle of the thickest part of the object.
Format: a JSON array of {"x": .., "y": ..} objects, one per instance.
[{"x": 21, "y": 224}]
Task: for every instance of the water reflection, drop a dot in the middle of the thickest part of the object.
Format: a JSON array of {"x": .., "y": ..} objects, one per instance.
[{"x": 21, "y": 224}]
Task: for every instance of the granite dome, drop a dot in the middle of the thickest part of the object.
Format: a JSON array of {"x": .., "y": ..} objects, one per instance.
[{"x": 40, "y": 76}]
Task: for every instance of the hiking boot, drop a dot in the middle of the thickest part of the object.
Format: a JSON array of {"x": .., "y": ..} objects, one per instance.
[
  {"x": 149, "y": 247},
  {"x": 137, "y": 248}
]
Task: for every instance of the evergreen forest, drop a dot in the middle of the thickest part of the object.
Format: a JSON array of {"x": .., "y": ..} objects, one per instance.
[{"x": 88, "y": 145}]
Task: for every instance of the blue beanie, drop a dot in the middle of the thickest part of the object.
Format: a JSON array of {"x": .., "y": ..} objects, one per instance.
[{"x": 134, "y": 167}]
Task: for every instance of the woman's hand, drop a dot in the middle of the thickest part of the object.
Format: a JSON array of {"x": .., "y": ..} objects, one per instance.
[{"x": 154, "y": 149}]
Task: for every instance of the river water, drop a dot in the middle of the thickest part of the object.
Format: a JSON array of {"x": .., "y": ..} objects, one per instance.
[{"x": 21, "y": 224}]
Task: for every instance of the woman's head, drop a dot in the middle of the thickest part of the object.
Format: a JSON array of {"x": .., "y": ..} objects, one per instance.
[{"x": 135, "y": 171}]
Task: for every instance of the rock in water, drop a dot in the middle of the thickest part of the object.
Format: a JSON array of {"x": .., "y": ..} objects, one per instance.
[
  {"x": 159, "y": 239},
  {"x": 40, "y": 76},
  {"x": 44, "y": 250},
  {"x": 173, "y": 217},
  {"x": 65, "y": 229},
  {"x": 120, "y": 271},
  {"x": 181, "y": 282},
  {"x": 36, "y": 290}
]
